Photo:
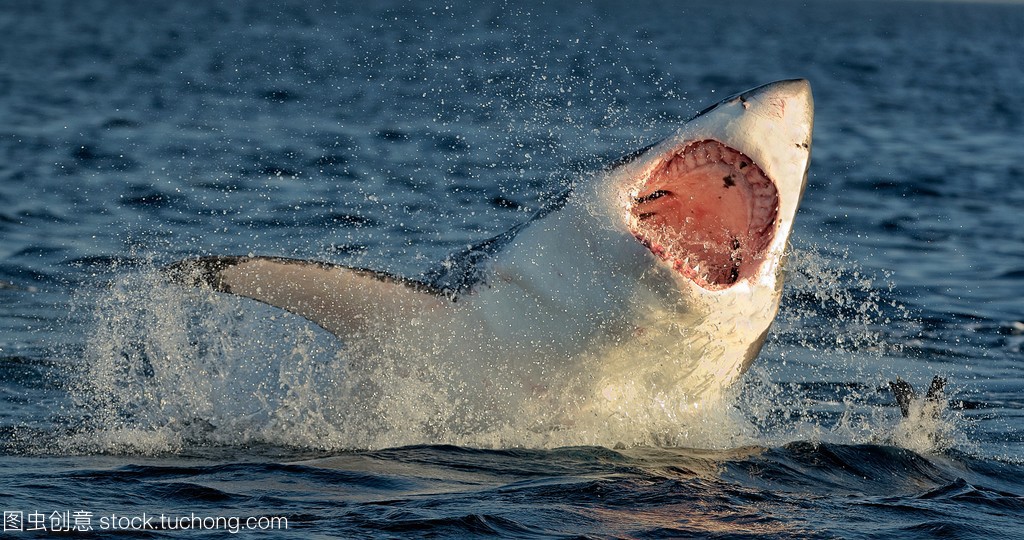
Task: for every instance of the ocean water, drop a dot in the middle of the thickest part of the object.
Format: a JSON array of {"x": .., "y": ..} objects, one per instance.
[{"x": 392, "y": 134}]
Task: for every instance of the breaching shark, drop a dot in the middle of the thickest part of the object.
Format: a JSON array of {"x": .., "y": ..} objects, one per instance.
[{"x": 660, "y": 275}]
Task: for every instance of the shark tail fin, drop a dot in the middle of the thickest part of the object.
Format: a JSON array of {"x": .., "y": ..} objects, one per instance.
[
  {"x": 905, "y": 393},
  {"x": 344, "y": 301}
]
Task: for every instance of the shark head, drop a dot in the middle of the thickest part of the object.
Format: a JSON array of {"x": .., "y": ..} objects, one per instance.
[
  {"x": 716, "y": 201},
  {"x": 710, "y": 211}
]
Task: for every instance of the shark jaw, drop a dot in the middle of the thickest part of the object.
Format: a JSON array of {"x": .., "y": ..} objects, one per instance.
[{"x": 709, "y": 211}]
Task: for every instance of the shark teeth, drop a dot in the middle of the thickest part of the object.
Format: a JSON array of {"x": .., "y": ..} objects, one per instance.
[{"x": 709, "y": 211}]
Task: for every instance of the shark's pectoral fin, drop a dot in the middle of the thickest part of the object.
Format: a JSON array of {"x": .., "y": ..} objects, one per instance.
[{"x": 344, "y": 301}]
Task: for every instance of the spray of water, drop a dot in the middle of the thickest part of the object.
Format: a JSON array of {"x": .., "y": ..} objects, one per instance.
[
  {"x": 838, "y": 342},
  {"x": 166, "y": 368}
]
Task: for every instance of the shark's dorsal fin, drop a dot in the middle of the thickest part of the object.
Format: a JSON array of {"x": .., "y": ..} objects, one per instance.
[
  {"x": 462, "y": 270},
  {"x": 344, "y": 301}
]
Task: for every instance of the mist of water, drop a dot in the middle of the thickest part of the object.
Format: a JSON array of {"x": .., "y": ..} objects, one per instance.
[{"x": 166, "y": 368}]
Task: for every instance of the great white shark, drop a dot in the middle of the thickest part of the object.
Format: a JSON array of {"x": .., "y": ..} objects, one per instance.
[{"x": 659, "y": 276}]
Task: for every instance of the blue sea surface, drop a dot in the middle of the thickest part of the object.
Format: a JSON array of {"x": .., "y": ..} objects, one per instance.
[{"x": 388, "y": 135}]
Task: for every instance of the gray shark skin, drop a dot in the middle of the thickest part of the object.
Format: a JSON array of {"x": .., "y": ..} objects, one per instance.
[{"x": 659, "y": 276}]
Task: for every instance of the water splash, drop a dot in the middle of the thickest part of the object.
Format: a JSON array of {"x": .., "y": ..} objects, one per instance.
[
  {"x": 166, "y": 368},
  {"x": 838, "y": 341}
]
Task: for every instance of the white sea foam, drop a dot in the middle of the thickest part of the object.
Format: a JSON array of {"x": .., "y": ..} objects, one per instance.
[{"x": 167, "y": 367}]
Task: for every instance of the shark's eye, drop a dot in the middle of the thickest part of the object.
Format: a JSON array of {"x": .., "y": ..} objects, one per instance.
[{"x": 710, "y": 211}]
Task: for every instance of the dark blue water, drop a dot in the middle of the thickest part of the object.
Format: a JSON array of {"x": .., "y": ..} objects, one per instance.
[{"x": 389, "y": 136}]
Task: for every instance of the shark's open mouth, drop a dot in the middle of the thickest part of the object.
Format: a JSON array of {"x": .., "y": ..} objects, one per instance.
[{"x": 709, "y": 211}]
